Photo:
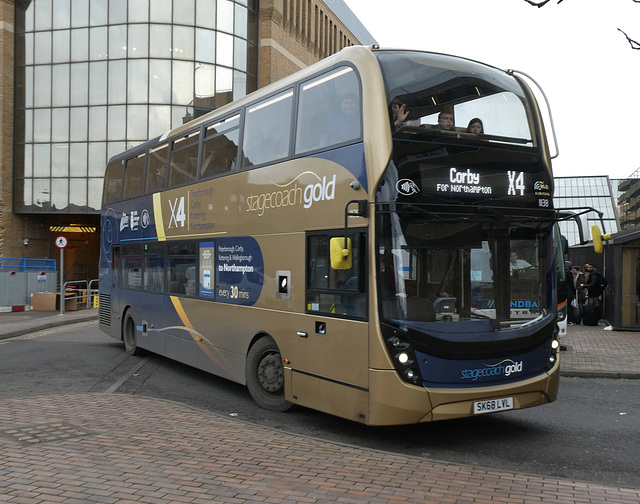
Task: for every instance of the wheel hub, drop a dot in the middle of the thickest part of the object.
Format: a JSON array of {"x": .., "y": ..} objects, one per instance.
[{"x": 270, "y": 373}]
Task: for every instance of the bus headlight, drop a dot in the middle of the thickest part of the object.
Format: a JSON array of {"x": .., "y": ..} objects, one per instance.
[
  {"x": 411, "y": 375},
  {"x": 401, "y": 351},
  {"x": 396, "y": 342},
  {"x": 553, "y": 352}
]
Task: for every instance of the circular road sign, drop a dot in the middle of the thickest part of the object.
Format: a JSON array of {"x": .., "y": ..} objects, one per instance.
[{"x": 61, "y": 242}]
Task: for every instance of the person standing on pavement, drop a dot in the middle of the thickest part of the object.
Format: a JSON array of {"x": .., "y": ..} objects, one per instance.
[
  {"x": 592, "y": 308},
  {"x": 568, "y": 278},
  {"x": 579, "y": 280},
  {"x": 593, "y": 283},
  {"x": 573, "y": 307}
]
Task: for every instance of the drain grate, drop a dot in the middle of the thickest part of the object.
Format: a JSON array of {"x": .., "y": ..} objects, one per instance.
[{"x": 43, "y": 433}]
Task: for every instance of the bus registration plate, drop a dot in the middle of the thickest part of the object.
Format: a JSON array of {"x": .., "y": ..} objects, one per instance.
[{"x": 479, "y": 407}]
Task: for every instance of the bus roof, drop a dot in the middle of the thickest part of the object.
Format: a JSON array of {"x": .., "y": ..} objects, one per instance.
[
  {"x": 350, "y": 54},
  {"x": 143, "y": 147}
]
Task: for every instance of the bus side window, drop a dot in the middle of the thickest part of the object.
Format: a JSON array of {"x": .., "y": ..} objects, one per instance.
[
  {"x": 330, "y": 111},
  {"x": 132, "y": 266},
  {"x": 157, "y": 169},
  {"x": 267, "y": 130},
  {"x": 184, "y": 160},
  {"x": 220, "y": 154},
  {"x": 340, "y": 292},
  {"x": 117, "y": 273},
  {"x": 154, "y": 267},
  {"x": 182, "y": 269},
  {"x": 113, "y": 183},
  {"x": 133, "y": 176},
  {"x": 219, "y": 150}
]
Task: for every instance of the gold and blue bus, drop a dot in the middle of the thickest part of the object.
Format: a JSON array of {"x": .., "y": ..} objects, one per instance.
[{"x": 343, "y": 241}]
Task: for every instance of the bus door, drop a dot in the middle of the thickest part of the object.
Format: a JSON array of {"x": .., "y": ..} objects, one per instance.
[{"x": 330, "y": 371}]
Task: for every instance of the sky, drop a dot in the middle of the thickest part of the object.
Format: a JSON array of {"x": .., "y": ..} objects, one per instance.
[{"x": 573, "y": 50}]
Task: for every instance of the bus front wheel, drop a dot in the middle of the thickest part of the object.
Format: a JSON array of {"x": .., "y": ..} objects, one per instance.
[
  {"x": 265, "y": 375},
  {"x": 129, "y": 334}
]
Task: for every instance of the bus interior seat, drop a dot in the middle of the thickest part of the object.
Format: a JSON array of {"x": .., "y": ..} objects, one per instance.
[
  {"x": 177, "y": 280},
  {"x": 420, "y": 309},
  {"x": 190, "y": 283},
  {"x": 205, "y": 167}
]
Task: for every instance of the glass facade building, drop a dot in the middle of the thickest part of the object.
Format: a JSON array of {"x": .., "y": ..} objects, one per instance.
[
  {"x": 593, "y": 191},
  {"x": 628, "y": 197},
  {"x": 94, "y": 78}
]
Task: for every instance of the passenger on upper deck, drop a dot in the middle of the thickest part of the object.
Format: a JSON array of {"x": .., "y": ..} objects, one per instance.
[
  {"x": 345, "y": 125},
  {"x": 475, "y": 126},
  {"x": 399, "y": 112},
  {"x": 446, "y": 120}
]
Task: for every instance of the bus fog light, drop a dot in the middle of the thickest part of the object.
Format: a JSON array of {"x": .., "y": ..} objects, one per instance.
[
  {"x": 403, "y": 358},
  {"x": 395, "y": 341},
  {"x": 555, "y": 344},
  {"x": 411, "y": 375}
]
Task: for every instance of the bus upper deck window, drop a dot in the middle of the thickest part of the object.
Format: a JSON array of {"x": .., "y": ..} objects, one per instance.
[
  {"x": 330, "y": 111},
  {"x": 157, "y": 169},
  {"x": 184, "y": 160},
  {"x": 267, "y": 129},
  {"x": 220, "y": 148},
  {"x": 113, "y": 183},
  {"x": 134, "y": 176}
]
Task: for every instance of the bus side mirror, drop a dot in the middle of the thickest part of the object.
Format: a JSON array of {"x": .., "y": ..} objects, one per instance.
[
  {"x": 597, "y": 239},
  {"x": 341, "y": 253},
  {"x": 581, "y": 222}
]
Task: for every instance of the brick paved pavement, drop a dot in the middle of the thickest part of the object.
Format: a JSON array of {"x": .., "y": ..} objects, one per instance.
[
  {"x": 114, "y": 448},
  {"x": 125, "y": 449},
  {"x": 590, "y": 351}
]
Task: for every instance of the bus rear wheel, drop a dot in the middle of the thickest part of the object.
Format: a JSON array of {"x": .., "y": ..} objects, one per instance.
[
  {"x": 129, "y": 334},
  {"x": 265, "y": 375}
]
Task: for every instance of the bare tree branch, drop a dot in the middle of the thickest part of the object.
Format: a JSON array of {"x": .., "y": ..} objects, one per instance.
[
  {"x": 632, "y": 43},
  {"x": 545, "y": 2}
]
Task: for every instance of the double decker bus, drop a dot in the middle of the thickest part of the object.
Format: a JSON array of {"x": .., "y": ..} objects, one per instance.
[{"x": 327, "y": 242}]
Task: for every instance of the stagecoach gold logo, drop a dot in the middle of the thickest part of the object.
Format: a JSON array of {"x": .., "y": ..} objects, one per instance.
[{"x": 292, "y": 194}]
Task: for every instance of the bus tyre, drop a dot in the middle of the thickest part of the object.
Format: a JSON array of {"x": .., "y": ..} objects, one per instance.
[
  {"x": 129, "y": 334},
  {"x": 265, "y": 375}
]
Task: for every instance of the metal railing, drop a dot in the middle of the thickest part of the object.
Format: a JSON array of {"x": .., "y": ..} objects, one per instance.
[
  {"x": 82, "y": 291},
  {"x": 27, "y": 264}
]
